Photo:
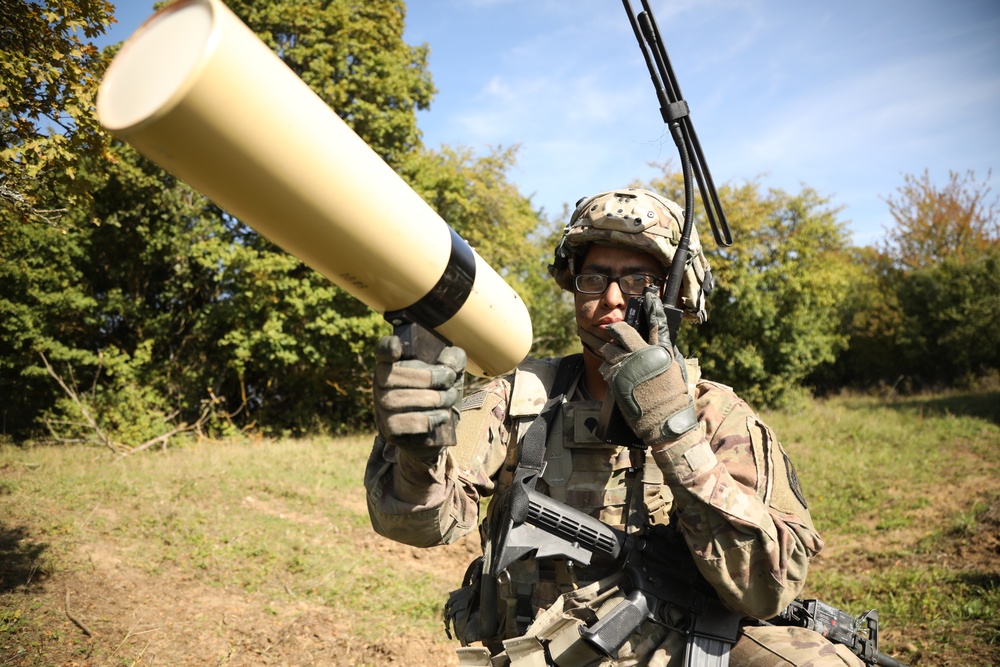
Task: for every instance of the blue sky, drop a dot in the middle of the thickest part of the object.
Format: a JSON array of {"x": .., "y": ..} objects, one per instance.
[{"x": 842, "y": 97}]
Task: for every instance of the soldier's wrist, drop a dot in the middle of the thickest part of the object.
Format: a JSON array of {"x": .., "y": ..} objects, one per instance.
[
  {"x": 427, "y": 455},
  {"x": 684, "y": 457},
  {"x": 409, "y": 452},
  {"x": 679, "y": 424}
]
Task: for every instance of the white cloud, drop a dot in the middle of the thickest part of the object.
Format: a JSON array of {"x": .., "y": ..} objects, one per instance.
[{"x": 497, "y": 88}]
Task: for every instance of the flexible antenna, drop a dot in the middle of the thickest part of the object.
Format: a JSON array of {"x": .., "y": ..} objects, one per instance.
[
  {"x": 676, "y": 114},
  {"x": 611, "y": 425}
]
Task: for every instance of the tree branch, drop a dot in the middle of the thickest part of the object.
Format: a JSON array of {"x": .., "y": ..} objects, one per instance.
[
  {"x": 166, "y": 436},
  {"x": 73, "y": 396},
  {"x": 80, "y": 624}
]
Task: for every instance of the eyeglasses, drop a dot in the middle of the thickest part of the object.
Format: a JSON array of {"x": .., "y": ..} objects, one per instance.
[{"x": 633, "y": 285}]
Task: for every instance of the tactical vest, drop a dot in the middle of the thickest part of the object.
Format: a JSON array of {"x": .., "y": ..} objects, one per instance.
[{"x": 618, "y": 485}]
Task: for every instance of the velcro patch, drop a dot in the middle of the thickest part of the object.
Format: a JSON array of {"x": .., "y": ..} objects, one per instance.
[
  {"x": 474, "y": 401},
  {"x": 700, "y": 456}
]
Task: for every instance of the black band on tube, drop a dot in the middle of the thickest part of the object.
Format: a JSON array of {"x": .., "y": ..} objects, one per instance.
[{"x": 449, "y": 294}]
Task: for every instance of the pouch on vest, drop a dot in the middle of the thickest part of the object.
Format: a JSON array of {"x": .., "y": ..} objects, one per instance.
[{"x": 461, "y": 611}]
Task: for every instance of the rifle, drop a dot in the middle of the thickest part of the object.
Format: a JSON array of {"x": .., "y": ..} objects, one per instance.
[
  {"x": 546, "y": 528},
  {"x": 840, "y": 627},
  {"x": 661, "y": 580}
]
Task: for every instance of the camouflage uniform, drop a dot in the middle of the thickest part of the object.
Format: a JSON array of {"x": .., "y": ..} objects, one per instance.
[
  {"x": 715, "y": 472},
  {"x": 728, "y": 484}
]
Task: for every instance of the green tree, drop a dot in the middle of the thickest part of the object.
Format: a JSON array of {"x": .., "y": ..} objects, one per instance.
[
  {"x": 45, "y": 307},
  {"x": 872, "y": 320},
  {"x": 553, "y": 315},
  {"x": 48, "y": 136},
  {"x": 48, "y": 74},
  {"x": 951, "y": 319},
  {"x": 170, "y": 302},
  {"x": 930, "y": 311},
  {"x": 775, "y": 312}
]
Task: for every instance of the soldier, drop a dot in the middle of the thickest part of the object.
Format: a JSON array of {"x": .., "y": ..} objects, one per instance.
[{"x": 711, "y": 469}]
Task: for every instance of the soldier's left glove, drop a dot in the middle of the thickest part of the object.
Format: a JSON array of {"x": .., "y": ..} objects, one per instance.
[{"x": 649, "y": 379}]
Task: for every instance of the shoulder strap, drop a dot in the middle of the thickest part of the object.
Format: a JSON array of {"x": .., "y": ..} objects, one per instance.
[
  {"x": 512, "y": 504},
  {"x": 532, "y": 457},
  {"x": 533, "y": 448}
]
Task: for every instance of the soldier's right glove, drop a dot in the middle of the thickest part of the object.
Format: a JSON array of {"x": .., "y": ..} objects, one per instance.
[
  {"x": 416, "y": 403},
  {"x": 649, "y": 378}
]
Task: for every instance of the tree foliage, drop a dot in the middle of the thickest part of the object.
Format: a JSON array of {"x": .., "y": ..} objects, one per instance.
[
  {"x": 928, "y": 311},
  {"x": 775, "y": 312},
  {"x": 45, "y": 306},
  {"x": 954, "y": 222},
  {"x": 48, "y": 133},
  {"x": 48, "y": 73},
  {"x": 951, "y": 319}
]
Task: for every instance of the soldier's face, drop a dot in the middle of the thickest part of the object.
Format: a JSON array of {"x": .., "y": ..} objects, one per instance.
[{"x": 596, "y": 311}]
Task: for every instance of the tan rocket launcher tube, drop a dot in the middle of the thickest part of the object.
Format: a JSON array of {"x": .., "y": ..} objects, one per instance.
[{"x": 198, "y": 93}]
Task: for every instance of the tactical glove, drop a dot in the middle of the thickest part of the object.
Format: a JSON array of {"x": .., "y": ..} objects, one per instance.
[
  {"x": 416, "y": 403},
  {"x": 649, "y": 379}
]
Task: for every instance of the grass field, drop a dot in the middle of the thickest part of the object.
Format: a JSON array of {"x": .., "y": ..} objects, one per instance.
[{"x": 260, "y": 552}]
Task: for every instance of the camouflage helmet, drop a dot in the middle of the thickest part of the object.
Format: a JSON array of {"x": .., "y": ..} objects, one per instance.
[{"x": 640, "y": 220}]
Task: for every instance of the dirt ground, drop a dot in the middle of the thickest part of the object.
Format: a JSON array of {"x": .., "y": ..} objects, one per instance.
[
  {"x": 104, "y": 613},
  {"x": 96, "y": 611}
]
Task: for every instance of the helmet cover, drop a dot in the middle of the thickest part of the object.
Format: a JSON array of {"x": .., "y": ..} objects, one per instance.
[{"x": 640, "y": 220}]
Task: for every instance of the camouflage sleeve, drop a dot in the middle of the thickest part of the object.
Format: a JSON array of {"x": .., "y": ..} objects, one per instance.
[
  {"x": 740, "y": 505},
  {"x": 432, "y": 503}
]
